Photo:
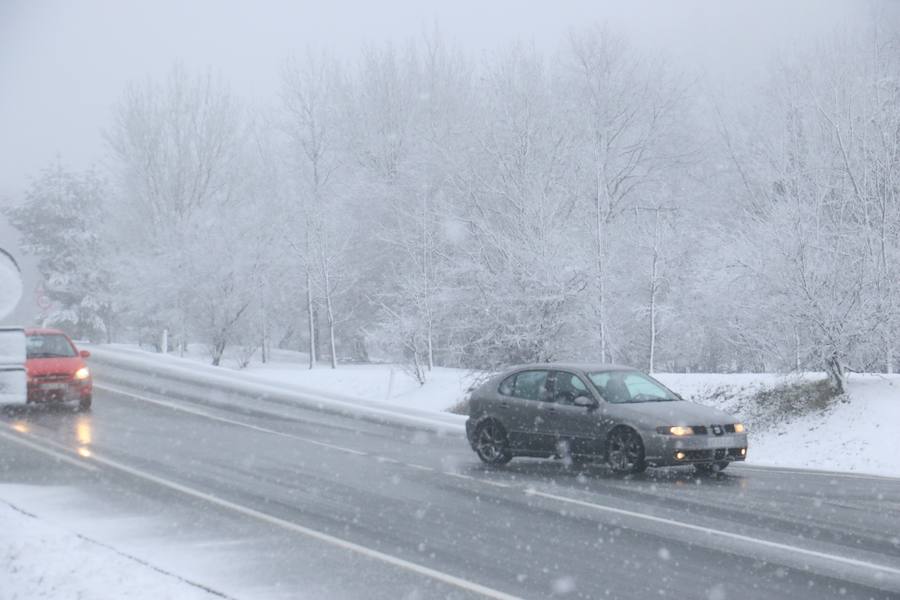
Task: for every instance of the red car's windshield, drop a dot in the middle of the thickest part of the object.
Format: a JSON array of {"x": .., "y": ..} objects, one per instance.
[{"x": 49, "y": 346}]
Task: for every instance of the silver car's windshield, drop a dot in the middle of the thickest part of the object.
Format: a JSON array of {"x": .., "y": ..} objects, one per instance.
[{"x": 621, "y": 387}]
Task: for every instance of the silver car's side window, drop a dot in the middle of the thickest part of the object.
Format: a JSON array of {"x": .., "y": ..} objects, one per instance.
[
  {"x": 530, "y": 385},
  {"x": 506, "y": 388},
  {"x": 567, "y": 387}
]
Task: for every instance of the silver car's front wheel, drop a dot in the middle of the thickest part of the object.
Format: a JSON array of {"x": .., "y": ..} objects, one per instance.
[
  {"x": 491, "y": 444},
  {"x": 625, "y": 451}
]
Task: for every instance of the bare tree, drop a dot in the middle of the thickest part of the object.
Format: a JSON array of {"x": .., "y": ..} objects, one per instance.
[
  {"x": 310, "y": 98},
  {"x": 630, "y": 108},
  {"x": 179, "y": 150}
]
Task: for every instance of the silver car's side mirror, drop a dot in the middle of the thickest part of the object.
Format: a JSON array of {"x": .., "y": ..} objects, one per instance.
[{"x": 584, "y": 401}]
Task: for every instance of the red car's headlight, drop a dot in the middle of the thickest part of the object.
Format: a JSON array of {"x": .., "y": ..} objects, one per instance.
[{"x": 82, "y": 374}]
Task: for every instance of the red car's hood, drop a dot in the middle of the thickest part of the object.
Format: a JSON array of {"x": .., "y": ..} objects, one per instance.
[{"x": 50, "y": 366}]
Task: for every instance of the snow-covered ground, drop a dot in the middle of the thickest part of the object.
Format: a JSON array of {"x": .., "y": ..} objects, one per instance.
[
  {"x": 860, "y": 434},
  {"x": 44, "y": 559},
  {"x": 856, "y": 434}
]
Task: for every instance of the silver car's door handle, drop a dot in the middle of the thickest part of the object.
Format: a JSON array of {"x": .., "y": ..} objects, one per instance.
[{"x": 504, "y": 405}]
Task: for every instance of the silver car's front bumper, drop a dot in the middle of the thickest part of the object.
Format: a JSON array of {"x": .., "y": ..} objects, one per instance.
[{"x": 667, "y": 450}]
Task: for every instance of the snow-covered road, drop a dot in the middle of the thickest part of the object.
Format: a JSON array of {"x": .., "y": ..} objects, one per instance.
[{"x": 260, "y": 498}]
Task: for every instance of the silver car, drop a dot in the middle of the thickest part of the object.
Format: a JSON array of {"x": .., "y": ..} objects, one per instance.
[{"x": 598, "y": 413}]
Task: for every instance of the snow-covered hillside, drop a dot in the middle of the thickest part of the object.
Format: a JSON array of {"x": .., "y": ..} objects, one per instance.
[{"x": 857, "y": 433}]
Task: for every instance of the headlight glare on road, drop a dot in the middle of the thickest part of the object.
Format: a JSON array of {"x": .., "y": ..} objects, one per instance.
[
  {"x": 82, "y": 374},
  {"x": 739, "y": 428},
  {"x": 678, "y": 430}
]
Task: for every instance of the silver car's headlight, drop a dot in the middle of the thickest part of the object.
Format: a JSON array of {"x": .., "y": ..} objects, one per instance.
[{"x": 679, "y": 430}]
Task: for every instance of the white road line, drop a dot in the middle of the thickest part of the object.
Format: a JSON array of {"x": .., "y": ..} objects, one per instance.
[
  {"x": 479, "y": 480},
  {"x": 531, "y": 491},
  {"x": 494, "y": 483},
  {"x": 815, "y": 473},
  {"x": 718, "y": 532},
  {"x": 464, "y": 584},
  {"x": 419, "y": 467},
  {"x": 202, "y": 413},
  {"x": 57, "y": 455}
]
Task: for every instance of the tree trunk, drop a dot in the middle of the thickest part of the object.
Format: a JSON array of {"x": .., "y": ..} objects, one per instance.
[
  {"x": 653, "y": 321},
  {"x": 334, "y": 362},
  {"x": 430, "y": 348},
  {"x": 654, "y": 267},
  {"x": 264, "y": 325},
  {"x": 601, "y": 292},
  {"x": 329, "y": 311},
  {"x": 889, "y": 355},
  {"x": 218, "y": 351},
  {"x": 417, "y": 365},
  {"x": 835, "y": 370},
  {"x": 311, "y": 315},
  {"x": 426, "y": 280}
]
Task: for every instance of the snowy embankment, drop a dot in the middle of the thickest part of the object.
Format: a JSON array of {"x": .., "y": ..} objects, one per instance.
[
  {"x": 47, "y": 560},
  {"x": 378, "y": 392},
  {"x": 857, "y": 433}
]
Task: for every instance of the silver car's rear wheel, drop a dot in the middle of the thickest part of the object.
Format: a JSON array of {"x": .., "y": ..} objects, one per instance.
[
  {"x": 625, "y": 451},
  {"x": 491, "y": 443}
]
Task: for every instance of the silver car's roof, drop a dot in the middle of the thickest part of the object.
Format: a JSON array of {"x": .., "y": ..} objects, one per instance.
[{"x": 584, "y": 367}]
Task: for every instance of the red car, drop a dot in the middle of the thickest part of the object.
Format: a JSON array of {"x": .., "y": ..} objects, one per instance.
[{"x": 57, "y": 371}]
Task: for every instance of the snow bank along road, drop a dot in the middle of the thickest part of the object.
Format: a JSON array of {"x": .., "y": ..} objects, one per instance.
[{"x": 267, "y": 498}]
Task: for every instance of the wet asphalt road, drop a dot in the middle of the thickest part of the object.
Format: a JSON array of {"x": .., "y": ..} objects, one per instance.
[{"x": 276, "y": 501}]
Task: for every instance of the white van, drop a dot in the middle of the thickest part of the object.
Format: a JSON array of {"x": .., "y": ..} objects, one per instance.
[{"x": 13, "y": 379}]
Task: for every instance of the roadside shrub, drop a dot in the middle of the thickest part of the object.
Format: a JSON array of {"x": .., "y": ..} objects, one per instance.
[{"x": 771, "y": 406}]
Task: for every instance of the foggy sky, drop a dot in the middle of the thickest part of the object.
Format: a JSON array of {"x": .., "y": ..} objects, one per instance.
[{"x": 63, "y": 64}]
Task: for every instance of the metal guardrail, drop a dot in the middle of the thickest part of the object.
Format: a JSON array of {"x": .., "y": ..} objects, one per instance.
[{"x": 163, "y": 370}]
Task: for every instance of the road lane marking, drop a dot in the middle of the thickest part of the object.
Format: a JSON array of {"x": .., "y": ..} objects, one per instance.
[
  {"x": 531, "y": 491},
  {"x": 419, "y": 467},
  {"x": 64, "y": 455},
  {"x": 479, "y": 480},
  {"x": 717, "y": 532},
  {"x": 379, "y": 458},
  {"x": 815, "y": 473},
  {"x": 19, "y": 439},
  {"x": 459, "y": 582},
  {"x": 438, "y": 575},
  {"x": 202, "y": 413}
]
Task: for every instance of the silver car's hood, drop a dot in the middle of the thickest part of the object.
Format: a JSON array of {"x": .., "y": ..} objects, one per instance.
[{"x": 676, "y": 412}]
